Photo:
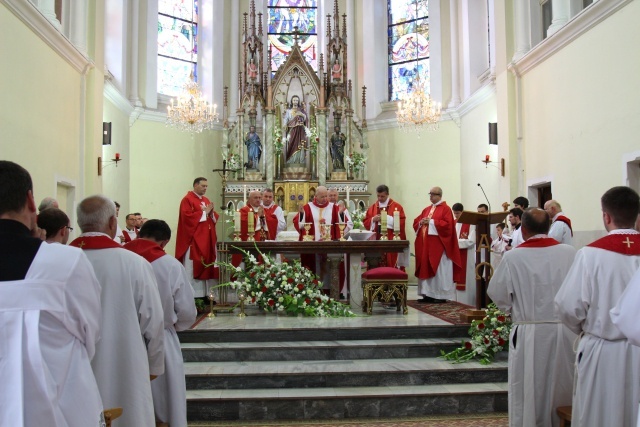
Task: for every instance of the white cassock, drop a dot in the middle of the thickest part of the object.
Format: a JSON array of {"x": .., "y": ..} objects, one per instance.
[
  {"x": 497, "y": 249},
  {"x": 541, "y": 355},
  {"x": 131, "y": 347},
  {"x": 607, "y": 386},
  {"x": 516, "y": 238},
  {"x": 282, "y": 221},
  {"x": 176, "y": 294},
  {"x": 468, "y": 295},
  {"x": 119, "y": 232},
  {"x": 50, "y": 325},
  {"x": 625, "y": 314},
  {"x": 560, "y": 231}
]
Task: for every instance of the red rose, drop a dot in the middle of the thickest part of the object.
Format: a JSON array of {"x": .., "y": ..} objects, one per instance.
[
  {"x": 468, "y": 345},
  {"x": 307, "y": 300},
  {"x": 253, "y": 299},
  {"x": 264, "y": 289},
  {"x": 480, "y": 325},
  {"x": 496, "y": 333},
  {"x": 500, "y": 341},
  {"x": 486, "y": 340},
  {"x": 271, "y": 303},
  {"x": 259, "y": 281},
  {"x": 273, "y": 275},
  {"x": 253, "y": 274},
  {"x": 315, "y": 281},
  {"x": 290, "y": 280},
  {"x": 300, "y": 286},
  {"x": 501, "y": 319},
  {"x": 318, "y": 300}
]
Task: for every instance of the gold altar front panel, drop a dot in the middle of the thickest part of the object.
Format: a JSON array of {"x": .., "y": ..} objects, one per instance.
[{"x": 291, "y": 194}]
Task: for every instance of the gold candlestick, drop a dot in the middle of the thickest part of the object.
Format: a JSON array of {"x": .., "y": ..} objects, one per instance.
[
  {"x": 236, "y": 236},
  {"x": 211, "y": 298},
  {"x": 242, "y": 295},
  {"x": 341, "y": 226},
  {"x": 396, "y": 235},
  {"x": 251, "y": 237},
  {"x": 326, "y": 232}
]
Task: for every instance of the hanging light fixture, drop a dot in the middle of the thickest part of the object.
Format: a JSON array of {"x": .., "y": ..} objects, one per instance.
[
  {"x": 417, "y": 110},
  {"x": 191, "y": 112}
]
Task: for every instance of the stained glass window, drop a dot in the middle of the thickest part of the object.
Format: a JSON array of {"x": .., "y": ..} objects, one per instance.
[
  {"x": 408, "y": 36},
  {"x": 177, "y": 44},
  {"x": 284, "y": 17}
]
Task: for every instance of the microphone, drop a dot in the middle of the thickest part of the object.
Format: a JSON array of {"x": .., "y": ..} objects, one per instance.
[{"x": 485, "y": 196}]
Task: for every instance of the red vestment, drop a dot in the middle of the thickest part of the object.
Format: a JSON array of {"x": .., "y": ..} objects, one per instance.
[
  {"x": 567, "y": 221},
  {"x": 309, "y": 260},
  {"x": 391, "y": 259},
  {"x": 127, "y": 237},
  {"x": 429, "y": 248},
  {"x": 199, "y": 236},
  {"x": 460, "y": 272},
  {"x": 270, "y": 220}
]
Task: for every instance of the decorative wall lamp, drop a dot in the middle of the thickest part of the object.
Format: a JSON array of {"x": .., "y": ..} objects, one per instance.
[
  {"x": 499, "y": 164},
  {"x": 105, "y": 163}
]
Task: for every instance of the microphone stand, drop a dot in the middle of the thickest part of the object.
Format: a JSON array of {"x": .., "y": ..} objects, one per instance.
[{"x": 485, "y": 196}]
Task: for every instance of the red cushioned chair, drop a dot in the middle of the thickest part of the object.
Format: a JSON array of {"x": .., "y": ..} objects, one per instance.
[{"x": 385, "y": 284}]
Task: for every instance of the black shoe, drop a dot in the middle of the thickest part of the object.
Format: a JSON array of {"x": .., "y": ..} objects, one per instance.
[
  {"x": 426, "y": 300},
  {"x": 438, "y": 301}
]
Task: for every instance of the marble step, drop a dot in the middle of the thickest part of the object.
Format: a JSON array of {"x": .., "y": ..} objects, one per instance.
[
  {"x": 346, "y": 402},
  {"x": 318, "y": 350},
  {"x": 338, "y": 373},
  {"x": 260, "y": 335}
]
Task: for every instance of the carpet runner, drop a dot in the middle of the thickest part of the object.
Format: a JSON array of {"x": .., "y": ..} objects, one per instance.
[{"x": 449, "y": 311}]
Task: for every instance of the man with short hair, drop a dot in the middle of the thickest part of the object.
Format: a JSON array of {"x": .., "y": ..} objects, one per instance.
[
  {"x": 318, "y": 212},
  {"x": 130, "y": 232},
  {"x": 607, "y": 386},
  {"x": 271, "y": 208},
  {"x": 343, "y": 212},
  {"x": 483, "y": 208},
  {"x": 560, "y": 225},
  {"x": 138, "y": 217},
  {"x": 130, "y": 351},
  {"x": 372, "y": 223},
  {"x": 50, "y": 316},
  {"x": 119, "y": 234},
  {"x": 498, "y": 244},
  {"x": 265, "y": 225},
  {"x": 56, "y": 225},
  {"x": 515, "y": 216},
  {"x": 436, "y": 250},
  {"x": 48, "y": 202},
  {"x": 540, "y": 349},
  {"x": 466, "y": 234},
  {"x": 521, "y": 202},
  {"x": 196, "y": 238},
  {"x": 176, "y": 294}
]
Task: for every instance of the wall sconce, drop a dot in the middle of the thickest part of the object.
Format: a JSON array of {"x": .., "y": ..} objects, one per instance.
[
  {"x": 106, "y": 163},
  {"x": 500, "y": 165}
]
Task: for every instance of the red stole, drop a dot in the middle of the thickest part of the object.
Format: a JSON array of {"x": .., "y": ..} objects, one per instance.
[
  {"x": 199, "y": 236},
  {"x": 94, "y": 242},
  {"x": 392, "y": 206},
  {"x": 127, "y": 237},
  {"x": 460, "y": 271},
  {"x": 271, "y": 212},
  {"x": 542, "y": 242},
  {"x": 147, "y": 249},
  {"x": 567, "y": 221},
  {"x": 625, "y": 244},
  {"x": 429, "y": 248},
  {"x": 335, "y": 231}
]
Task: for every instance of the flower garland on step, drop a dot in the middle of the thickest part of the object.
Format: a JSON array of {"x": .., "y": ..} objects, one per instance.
[
  {"x": 488, "y": 337},
  {"x": 284, "y": 287}
]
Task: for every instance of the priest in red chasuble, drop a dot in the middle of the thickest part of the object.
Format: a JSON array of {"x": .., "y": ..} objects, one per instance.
[
  {"x": 436, "y": 250},
  {"x": 372, "y": 223},
  {"x": 196, "y": 237},
  {"x": 255, "y": 216}
]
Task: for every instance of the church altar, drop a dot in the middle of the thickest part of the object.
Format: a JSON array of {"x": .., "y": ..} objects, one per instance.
[{"x": 335, "y": 251}]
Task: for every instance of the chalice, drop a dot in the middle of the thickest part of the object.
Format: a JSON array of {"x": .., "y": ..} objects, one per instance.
[
  {"x": 307, "y": 227},
  {"x": 341, "y": 226}
]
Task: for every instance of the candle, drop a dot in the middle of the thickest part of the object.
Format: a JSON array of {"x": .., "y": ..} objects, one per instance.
[
  {"x": 396, "y": 220},
  {"x": 250, "y": 221},
  {"x": 383, "y": 221},
  {"x": 486, "y": 158},
  {"x": 117, "y": 156},
  {"x": 245, "y": 194},
  {"x": 236, "y": 221},
  {"x": 348, "y": 189}
]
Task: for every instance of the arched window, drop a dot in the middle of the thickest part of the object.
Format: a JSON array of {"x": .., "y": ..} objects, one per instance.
[
  {"x": 408, "y": 41},
  {"x": 177, "y": 44},
  {"x": 284, "y": 17}
]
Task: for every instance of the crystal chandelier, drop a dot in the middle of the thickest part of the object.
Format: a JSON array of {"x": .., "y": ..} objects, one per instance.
[
  {"x": 191, "y": 112},
  {"x": 417, "y": 110}
]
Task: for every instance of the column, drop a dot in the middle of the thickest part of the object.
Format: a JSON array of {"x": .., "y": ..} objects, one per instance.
[
  {"x": 78, "y": 25},
  {"x": 268, "y": 147},
  {"x": 455, "y": 55},
  {"x": 321, "y": 124},
  {"x": 351, "y": 52},
  {"x": 48, "y": 9},
  {"x": 522, "y": 29},
  {"x": 560, "y": 15},
  {"x": 234, "y": 57}
]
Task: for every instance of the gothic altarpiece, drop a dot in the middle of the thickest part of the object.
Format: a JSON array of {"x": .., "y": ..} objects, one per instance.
[{"x": 295, "y": 114}]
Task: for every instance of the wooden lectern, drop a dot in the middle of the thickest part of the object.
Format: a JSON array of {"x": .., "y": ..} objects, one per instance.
[{"x": 483, "y": 270}]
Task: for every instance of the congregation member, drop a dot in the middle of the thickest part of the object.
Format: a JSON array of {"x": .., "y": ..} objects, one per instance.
[
  {"x": 176, "y": 295},
  {"x": 130, "y": 352},
  {"x": 466, "y": 236},
  {"x": 372, "y": 223},
  {"x": 540, "y": 347},
  {"x": 625, "y": 314},
  {"x": 521, "y": 203},
  {"x": 50, "y": 315},
  {"x": 138, "y": 217},
  {"x": 560, "y": 225},
  {"x": 119, "y": 233},
  {"x": 515, "y": 218},
  {"x": 196, "y": 238},
  {"x": 46, "y": 203},
  {"x": 437, "y": 250},
  {"x": 607, "y": 386},
  {"x": 270, "y": 207},
  {"x": 130, "y": 232},
  {"x": 56, "y": 225}
]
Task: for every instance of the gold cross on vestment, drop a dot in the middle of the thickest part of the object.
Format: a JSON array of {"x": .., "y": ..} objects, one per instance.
[
  {"x": 81, "y": 244},
  {"x": 628, "y": 242}
]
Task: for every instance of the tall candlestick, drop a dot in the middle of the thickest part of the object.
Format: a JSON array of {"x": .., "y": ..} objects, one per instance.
[
  {"x": 245, "y": 194},
  {"x": 250, "y": 221},
  {"x": 236, "y": 221},
  {"x": 396, "y": 221},
  {"x": 383, "y": 224}
]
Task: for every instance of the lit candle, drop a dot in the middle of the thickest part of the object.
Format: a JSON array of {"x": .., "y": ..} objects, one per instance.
[
  {"x": 250, "y": 221},
  {"x": 486, "y": 158},
  {"x": 236, "y": 221},
  {"x": 396, "y": 221},
  {"x": 245, "y": 194},
  {"x": 383, "y": 221},
  {"x": 348, "y": 190},
  {"x": 117, "y": 156}
]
